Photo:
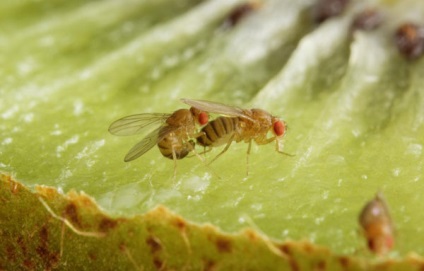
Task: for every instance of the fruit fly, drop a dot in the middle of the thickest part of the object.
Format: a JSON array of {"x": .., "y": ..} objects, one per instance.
[
  {"x": 377, "y": 225},
  {"x": 173, "y": 136},
  {"x": 238, "y": 125}
]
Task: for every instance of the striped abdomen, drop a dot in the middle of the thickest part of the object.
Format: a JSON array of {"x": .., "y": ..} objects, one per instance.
[
  {"x": 218, "y": 131},
  {"x": 172, "y": 142}
]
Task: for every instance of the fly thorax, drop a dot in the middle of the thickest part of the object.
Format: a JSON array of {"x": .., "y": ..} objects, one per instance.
[
  {"x": 263, "y": 121},
  {"x": 181, "y": 117}
]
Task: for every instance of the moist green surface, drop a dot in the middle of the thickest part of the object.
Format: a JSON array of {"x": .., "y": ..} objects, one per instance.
[{"x": 353, "y": 105}]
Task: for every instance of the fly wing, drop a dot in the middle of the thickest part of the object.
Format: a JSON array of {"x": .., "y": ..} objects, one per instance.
[
  {"x": 218, "y": 108},
  {"x": 134, "y": 124},
  {"x": 148, "y": 142}
]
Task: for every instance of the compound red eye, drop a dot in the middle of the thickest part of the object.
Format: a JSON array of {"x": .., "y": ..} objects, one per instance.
[
  {"x": 203, "y": 118},
  {"x": 279, "y": 128}
]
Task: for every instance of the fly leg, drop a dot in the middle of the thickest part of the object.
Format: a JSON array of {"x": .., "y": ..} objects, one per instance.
[
  {"x": 174, "y": 157},
  {"x": 205, "y": 150},
  {"x": 265, "y": 141},
  {"x": 197, "y": 154},
  {"x": 204, "y": 162},
  {"x": 230, "y": 140},
  {"x": 277, "y": 148},
  {"x": 247, "y": 157},
  {"x": 193, "y": 149}
]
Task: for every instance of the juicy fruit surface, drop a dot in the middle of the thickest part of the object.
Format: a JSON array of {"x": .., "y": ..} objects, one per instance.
[{"x": 352, "y": 103}]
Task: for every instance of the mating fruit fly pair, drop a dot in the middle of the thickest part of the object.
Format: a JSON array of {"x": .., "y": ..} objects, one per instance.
[{"x": 177, "y": 131}]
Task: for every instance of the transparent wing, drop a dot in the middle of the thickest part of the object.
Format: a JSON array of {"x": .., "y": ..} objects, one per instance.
[
  {"x": 218, "y": 108},
  {"x": 149, "y": 142},
  {"x": 134, "y": 124}
]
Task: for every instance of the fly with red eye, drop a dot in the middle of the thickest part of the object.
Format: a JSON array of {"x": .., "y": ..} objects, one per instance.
[{"x": 238, "y": 125}]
